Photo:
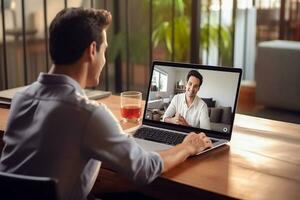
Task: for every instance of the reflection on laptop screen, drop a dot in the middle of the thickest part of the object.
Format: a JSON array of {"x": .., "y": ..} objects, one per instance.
[{"x": 200, "y": 98}]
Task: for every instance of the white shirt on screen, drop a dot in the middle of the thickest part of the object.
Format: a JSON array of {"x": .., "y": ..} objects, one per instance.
[{"x": 196, "y": 115}]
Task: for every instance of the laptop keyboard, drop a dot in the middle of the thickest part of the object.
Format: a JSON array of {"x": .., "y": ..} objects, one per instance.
[{"x": 161, "y": 136}]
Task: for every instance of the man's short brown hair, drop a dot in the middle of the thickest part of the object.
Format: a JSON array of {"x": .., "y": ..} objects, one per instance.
[
  {"x": 195, "y": 74},
  {"x": 73, "y": 30}
]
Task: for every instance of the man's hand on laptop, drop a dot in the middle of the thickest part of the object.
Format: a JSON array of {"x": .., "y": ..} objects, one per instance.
[
  {"x": 197, "y": 142},
  {"x": 192, "y": 144}
]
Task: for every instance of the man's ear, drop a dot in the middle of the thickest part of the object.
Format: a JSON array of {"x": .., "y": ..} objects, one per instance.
[{"x": 92, "y": 50}]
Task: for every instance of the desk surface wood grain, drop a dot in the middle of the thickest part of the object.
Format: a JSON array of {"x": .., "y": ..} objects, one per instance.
[{"x": 261, "y": 161}]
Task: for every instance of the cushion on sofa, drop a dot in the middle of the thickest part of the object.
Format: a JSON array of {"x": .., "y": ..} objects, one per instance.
[
  {"x": 220, "y": 127},
  {"x": 226, "y": 115},
  {"x": 209, "y": 111},
  {"x": 209, "y": 102},
  {"x": 215, "y": 114},
  {"x": 280, "y": 61}
]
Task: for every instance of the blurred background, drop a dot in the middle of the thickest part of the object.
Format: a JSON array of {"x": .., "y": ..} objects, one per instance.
[{"x": 229, "y": 33}]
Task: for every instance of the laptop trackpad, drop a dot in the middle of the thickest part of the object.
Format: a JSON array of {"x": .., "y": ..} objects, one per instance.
[{"x": 152, "y": 146}]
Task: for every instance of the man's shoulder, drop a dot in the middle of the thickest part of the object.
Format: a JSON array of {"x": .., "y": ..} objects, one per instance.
[
  {"x": 85, "y": 103},
  {"x": 201, "y": 102},
  {"x": 61, "y": 96},
  {"x": 179, "y": 96}
]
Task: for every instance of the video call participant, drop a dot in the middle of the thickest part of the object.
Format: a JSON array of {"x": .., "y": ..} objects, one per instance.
[{"x": 187, "y": 108}]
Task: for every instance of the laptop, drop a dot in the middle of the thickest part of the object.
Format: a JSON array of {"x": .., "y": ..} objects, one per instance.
[{"x": 219, "y": 91}]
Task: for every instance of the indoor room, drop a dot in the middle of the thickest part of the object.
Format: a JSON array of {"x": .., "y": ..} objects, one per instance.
[{"x": 149, "y": 99}]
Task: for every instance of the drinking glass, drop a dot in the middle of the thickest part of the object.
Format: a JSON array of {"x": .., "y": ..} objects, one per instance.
[{"x": 131, "y": 106}]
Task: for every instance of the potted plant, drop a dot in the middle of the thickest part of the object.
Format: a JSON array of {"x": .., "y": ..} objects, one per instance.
[{"x": 210, "y": 34}]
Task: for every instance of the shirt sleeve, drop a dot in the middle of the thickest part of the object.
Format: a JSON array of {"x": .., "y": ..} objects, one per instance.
[
  {"x": 104, "y": 140},
  {"x": 171, "y": 110},
  {"x": 204, "y": 118}
]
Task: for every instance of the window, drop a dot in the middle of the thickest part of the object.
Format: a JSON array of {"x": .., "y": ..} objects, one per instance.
[{"x": 160, "y": 80}]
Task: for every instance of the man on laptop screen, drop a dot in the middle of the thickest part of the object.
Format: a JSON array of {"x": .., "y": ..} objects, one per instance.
[{"x": 187, "y": 108}]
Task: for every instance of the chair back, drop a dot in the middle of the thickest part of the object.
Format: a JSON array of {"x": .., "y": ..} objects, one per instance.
[{"x": 13, "y": 186}]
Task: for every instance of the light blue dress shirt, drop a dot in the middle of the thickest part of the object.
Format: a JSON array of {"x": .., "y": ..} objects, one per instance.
[{"x": 53, "y": 130}]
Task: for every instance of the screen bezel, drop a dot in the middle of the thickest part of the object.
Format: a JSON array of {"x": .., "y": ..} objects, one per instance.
[{"x": 187, "y": 129}]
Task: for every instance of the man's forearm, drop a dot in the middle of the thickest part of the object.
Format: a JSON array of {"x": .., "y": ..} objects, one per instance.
[
  {"x": 169, "y": 120},
  {"x": 175, "y": 155}
]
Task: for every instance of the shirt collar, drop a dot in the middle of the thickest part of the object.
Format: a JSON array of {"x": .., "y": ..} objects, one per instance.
[
  {"x": 195, "y": 101},
  {"x": 60, "y": 79}
]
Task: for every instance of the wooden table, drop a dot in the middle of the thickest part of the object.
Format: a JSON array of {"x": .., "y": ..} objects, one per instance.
[{"x": 262, "y": 161}]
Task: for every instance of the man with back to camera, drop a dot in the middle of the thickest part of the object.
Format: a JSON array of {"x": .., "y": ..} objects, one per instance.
[
  {"x": 53, "y": 129},
  {"x": 187, "y": 108}
]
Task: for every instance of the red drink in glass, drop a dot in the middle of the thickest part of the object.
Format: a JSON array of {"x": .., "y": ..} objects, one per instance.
[
  {"x": 131, "y": 106},
  {"x": 131, "y": 112}
]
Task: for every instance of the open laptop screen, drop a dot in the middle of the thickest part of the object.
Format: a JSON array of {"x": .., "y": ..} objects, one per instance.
[{"x": 194, "y": 96}]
